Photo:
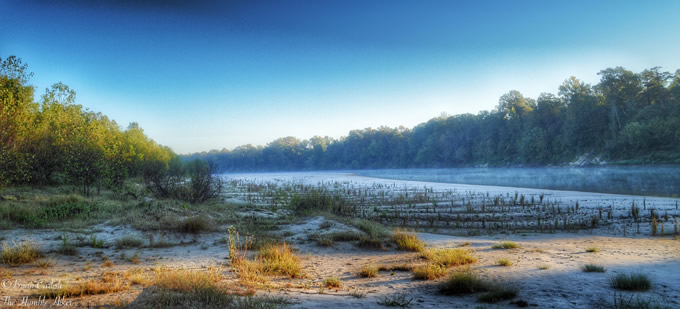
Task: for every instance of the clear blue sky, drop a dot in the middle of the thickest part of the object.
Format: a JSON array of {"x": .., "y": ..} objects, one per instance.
[{"x": 201, "y": 75}]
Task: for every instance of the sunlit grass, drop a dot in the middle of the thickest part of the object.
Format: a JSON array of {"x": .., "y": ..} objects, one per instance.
[
  {"x": 408, "y": 241},
  {"x": 449, "y": 257},
  {"x": 16, "y": 254}
]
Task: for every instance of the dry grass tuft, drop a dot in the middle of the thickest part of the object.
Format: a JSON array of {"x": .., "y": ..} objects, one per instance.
[
  {"x": 429, "y": 271},
  {"x": 332, "y": 282},
  {"x": 504, "y": 262},
  {"x": 449, "y": 257},
  {"x": 506, "y": 245},
  {"x": 109, "y": 282},
  {"x": 280, "y": 259},
  {"x": 19, "y": 253},
  {"x": 408, "y": 241},
  {"x": 368, "y": 271}
]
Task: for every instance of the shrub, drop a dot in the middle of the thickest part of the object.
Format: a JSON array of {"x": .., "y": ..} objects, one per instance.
[
  {"x": 164, "y": 182},
  {"x": 592, "y": 268},
  {"x": 409, "y": 242},
  {"x": 19, "y": 253},
  {"x": 592, "y": 249},
  {"x": 319, "y": 201},
  {"x": 632, "y": 282},
  {"x": 506, "y": 245}
]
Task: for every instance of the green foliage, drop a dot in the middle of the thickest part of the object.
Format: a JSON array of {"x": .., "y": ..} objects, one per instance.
[
  {"x": 169, "y": 181},
  {"x": 631, "y": 282},
  {"x": 56, "y": 209},
  {"x": 593, "y": 268},
  {"x": 463, "y": 282},
  {"x": 625, "y": 116},
  {"x": 56, "y": 141},
  {"x": 319, "y": 201}
]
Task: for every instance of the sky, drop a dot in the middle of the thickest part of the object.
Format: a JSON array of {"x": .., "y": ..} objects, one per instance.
[{"x": 208, "y": 74}]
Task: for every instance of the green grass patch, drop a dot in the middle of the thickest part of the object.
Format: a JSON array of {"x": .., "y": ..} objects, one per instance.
[
  {"x": 463, "y": 282},
  {"x": 631, "y": 282},
  {"x": 497, "y": 294},
  {"x": 129, "y": 241},
  {"x": 593, "y": 268}
]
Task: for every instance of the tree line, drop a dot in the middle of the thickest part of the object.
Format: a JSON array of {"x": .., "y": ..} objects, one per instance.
[
  {"x": 626, "y": 118},
  {"x": 55, "y": 141}
]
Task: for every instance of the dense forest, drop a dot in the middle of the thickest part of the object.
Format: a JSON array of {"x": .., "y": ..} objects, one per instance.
[
  {"x": 55, "y": 141},
  {"x": 626, "y": 118}
]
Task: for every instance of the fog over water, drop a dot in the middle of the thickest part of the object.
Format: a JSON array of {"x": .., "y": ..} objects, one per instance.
[{"x": 635, "y": 180}]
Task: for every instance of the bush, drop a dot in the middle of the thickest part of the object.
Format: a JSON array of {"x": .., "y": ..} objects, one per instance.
[
  {"x": 632, "y": 282},
  {"x": 164, "y": 182},
  {"x": 504, "y": 262}
]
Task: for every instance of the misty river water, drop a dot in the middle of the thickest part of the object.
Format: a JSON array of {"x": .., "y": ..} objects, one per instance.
[{"x": 635, "y": 180}]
